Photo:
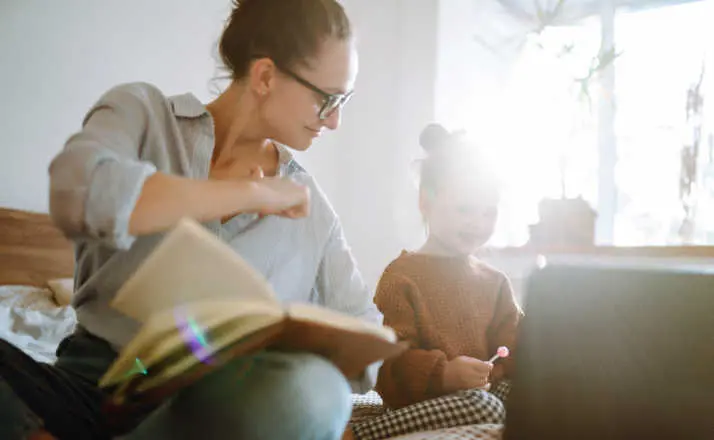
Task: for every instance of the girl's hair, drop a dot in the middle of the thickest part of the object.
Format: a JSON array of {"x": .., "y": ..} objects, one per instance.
[
  {"x": 449, "y": 156},
  {"x": 287, "y": 31}
]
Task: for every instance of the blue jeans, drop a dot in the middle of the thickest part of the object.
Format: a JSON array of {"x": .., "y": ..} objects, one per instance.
[{"x": 269, "y": 395}]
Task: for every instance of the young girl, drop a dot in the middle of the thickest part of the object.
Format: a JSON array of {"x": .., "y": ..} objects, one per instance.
[{"x": 452, "y": 309}]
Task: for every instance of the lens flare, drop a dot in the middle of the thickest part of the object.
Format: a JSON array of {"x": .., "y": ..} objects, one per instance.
[{"x": 194, "y": 336}]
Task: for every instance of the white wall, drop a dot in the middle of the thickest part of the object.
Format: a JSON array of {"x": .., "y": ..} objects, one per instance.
[
  {"x": 470, "y": 77},
  {"x": 378, "y": 142},
  {"x": 58, "y": 57}
]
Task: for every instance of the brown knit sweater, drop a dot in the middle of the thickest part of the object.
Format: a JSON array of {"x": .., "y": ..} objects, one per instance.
[{"x": 444, "y": 307}]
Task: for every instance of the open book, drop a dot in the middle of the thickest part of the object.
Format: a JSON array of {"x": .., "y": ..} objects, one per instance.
[{"x": 201, "y": 305}]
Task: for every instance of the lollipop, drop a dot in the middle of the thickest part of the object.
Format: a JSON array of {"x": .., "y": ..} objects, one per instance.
[{"x": 502, "y": 352}]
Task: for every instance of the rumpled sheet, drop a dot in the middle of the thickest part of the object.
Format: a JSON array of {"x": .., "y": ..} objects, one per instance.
[
  {"x": 30, "y": 319},
  {"x": 366, "y": 406}
]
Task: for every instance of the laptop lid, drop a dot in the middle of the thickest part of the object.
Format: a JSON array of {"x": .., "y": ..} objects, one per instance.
[{"x": 614, "y": 353}]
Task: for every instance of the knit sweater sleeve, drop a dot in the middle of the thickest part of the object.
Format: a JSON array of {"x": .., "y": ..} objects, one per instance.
[
  {"x": 416, "y": 374},
  {"x": 503, "y": 329}
]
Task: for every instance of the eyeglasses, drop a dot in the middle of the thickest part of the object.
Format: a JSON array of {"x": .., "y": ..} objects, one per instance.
[{"x": 330, "y": 101}]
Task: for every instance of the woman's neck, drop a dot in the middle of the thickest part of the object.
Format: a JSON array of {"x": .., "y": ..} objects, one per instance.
[{"x": 238, "y": 140}]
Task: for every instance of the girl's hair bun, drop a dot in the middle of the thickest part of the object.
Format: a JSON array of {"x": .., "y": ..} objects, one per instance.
[{"x": 434, "y": 137}]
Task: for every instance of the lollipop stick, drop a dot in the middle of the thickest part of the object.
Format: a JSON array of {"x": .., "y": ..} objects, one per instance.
[{"x": 502, "y": 352}]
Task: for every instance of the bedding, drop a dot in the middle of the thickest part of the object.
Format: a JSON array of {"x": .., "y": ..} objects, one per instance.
[
  {"x": 62, "y": 290},
  {"x": 31, "y": 320},
  {"x": 468, "y": 432},
  {"x": 365, "y": 406},
  {"x": 32, "y": 253}
]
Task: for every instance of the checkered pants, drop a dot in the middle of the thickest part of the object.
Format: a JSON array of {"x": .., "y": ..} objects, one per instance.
[{"x": 469, "y": 407}]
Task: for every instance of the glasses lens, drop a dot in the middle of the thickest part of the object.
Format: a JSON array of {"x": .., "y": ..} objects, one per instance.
[{"x": 333, "y": 103}]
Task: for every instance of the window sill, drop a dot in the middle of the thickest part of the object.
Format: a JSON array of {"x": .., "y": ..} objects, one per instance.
[{"x": 604, "y": 251}]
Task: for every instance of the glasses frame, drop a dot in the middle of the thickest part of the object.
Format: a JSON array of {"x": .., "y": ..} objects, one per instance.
[{"x": 331, "y": 102}]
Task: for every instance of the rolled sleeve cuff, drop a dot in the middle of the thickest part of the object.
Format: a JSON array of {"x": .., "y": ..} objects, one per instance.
[{"x": 113, "y": 193}]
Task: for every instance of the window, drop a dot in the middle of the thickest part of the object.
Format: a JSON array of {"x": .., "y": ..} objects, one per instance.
[
  {"x": 549, "y": 148},
  {"x": 664, "y": 52},
  {"x": 551, "y": 142}
]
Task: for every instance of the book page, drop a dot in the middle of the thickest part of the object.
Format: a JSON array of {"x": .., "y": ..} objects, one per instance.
[
  {"x": 315, "y": 313},
  {"x": 351, "y": 351},
  {"x": 229, "y": 333},
  {"x": 196, "y": 330},
  {"x": 252, "y": 336},
  {"x": 188, "y": 265},
  {"x": 238, "y": 328},
  {"x": 349, "y": 342},
  {"x": 154, "y": 390}
]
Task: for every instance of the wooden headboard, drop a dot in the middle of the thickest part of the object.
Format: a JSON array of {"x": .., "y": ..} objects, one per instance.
[{"x": 32, "y": 249}]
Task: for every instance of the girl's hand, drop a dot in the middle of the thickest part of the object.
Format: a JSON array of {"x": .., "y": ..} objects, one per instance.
[{"x": 464, "y": 373}]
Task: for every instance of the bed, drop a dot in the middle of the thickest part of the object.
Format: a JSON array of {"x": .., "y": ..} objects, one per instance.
[
  {"x": 370, "y": 405},
  {"x": 36, "y": 266},
  {"x": 36, "y": 269}
]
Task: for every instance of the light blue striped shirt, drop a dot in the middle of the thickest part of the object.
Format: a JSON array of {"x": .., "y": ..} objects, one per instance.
[{"x": 130, "y": 133}]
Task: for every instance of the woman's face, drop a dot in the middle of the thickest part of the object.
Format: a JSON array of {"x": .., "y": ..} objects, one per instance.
[{"x": 305, "y": 100}]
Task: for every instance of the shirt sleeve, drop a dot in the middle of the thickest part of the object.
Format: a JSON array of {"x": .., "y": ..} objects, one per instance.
[
  {"x": 342, "y": 288},
  {"x": 416, "y": 374},
  {"x": 96, "y": 180}
]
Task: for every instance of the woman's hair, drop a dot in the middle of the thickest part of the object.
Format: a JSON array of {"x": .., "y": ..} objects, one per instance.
[
  {"x": 449, "y": 156},
  {"x": 287, "y": 31}
]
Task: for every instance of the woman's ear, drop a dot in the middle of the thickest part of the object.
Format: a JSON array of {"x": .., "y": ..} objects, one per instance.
[{"x": 262, "y": 76}]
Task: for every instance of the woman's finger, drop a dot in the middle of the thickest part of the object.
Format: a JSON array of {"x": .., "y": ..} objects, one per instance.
[
  {"x": 295, "y": 212},
  {"x": 257, "y": 172}
]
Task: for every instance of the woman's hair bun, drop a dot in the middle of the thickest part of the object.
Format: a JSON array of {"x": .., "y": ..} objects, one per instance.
[{"x": 434, "y": 137}]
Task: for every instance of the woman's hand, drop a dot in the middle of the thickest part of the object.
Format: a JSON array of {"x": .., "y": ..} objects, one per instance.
[
  {"x": 165, "y": 199},
  {"x": 464, "y": 373},
  {"x": 280, "y": 196}
]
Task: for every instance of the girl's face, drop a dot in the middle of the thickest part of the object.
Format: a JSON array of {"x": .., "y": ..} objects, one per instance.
[{"x": 460, "y": 217}]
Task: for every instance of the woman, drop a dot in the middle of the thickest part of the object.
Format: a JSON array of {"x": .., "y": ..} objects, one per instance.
[{"x": 140, "y": 163}]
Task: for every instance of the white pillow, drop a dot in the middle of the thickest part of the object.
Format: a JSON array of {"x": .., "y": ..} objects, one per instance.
[{"x": 62, "y": 289}]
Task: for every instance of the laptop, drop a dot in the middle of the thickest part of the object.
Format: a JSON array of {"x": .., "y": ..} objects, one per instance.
[{"x": 614, "y": 353}]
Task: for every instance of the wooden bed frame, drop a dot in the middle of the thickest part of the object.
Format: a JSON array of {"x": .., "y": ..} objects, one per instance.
[{"x": 32, "y": 250}]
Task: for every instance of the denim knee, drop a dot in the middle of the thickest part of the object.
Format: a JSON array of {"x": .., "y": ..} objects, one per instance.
[
  {"x": 320, "y": 394},
  {"x": 271, "y": 395},
  {"x": 282, "y": 396}
]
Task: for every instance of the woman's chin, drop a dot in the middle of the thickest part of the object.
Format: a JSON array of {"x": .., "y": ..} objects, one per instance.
[{"x": 297, "y": 143}]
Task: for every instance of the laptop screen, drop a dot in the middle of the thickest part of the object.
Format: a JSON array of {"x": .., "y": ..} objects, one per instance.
[{"x": 614, "y": 353}]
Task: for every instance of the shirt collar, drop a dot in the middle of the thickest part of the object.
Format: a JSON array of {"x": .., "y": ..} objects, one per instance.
[
  {"x": 187, "y": 106},
  {"x": 285, "y": 156}
]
